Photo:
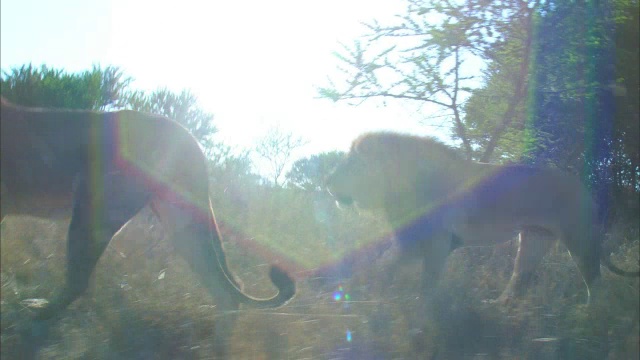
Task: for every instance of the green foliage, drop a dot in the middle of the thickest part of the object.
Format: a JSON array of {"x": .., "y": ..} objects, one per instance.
[
  {"x": 581, "y": 99},
  {"x": 482, "y": 115},
  {"x": 627, "y": 94},
  {"x": 309, "y": 173},
  {"x": 433, "y": 54},
  {"x": 581, "y": 110},
  {"x": 95, "y": 89},
  {"x": 224, "y": 162},
  {"x": 495, "y": 114}
]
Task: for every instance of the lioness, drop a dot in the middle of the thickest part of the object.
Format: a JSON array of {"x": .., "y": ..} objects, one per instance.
[
  {"x": 104, "y": 168},
  {"x": 434, "y": 197}
]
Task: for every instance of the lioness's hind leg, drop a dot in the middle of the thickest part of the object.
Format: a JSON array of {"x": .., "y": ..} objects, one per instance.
[
  {"x": 194, "y": 238},
  {"x": 533, "y": 244},
  {"x": 100, "y": 209},
  {"x": 585, "y": 251}
]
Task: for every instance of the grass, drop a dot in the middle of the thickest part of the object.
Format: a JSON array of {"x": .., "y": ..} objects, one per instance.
[{"x": 145, "y": 303}]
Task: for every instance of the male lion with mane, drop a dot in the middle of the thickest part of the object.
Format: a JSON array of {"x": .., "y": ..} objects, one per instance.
[
  {"x": 104, "y": 168},
  {"x": 434, "y": 198}
]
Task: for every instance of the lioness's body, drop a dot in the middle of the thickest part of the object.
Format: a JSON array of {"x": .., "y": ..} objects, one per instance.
[
  {"x": 430, "y": 194},
  {"x": 101, "y": 169},
  {"x": 44, "y": 150}
]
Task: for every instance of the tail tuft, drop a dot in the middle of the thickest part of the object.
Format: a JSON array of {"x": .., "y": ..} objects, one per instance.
[{"x": 285, "y": 284}]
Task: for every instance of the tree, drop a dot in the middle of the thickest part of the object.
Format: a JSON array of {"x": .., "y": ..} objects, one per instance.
[
  {"x": 277, "y": 148},
  {"x": 181, "y": 107},
  {"x": 228, "y": 168},
  {"x": 581, "y": 112},
  {"x": 310, "y": 173},
  {"x": 95, "y": 89},
  {"x": 431, "y": 55},
  {"x": 627, "y": 94},
  {"x": 583, "y": 82}
]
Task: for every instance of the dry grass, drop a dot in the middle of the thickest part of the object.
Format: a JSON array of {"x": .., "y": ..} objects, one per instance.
[{"x": 145, "y": 303}]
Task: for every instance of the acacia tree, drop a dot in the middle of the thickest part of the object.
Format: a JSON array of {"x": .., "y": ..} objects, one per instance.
[
  {"x": 431, "y": 55},
  {"x": 310, "y": 173},
  {"x": 277, "y": 148}
]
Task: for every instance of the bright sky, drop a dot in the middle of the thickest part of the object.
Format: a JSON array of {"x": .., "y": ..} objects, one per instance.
[{"x": 252, "y": 63}]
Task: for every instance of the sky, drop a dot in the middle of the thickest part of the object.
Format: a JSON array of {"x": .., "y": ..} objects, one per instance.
[{"x": 253, "y": 64}]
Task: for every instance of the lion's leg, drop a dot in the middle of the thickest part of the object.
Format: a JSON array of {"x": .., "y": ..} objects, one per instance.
[
  {"x": 99, "y": 211},
  {"x": 533, "y": 244},
  {"x": 434, "y": 253},
  {"x": 436, "y": 250}
]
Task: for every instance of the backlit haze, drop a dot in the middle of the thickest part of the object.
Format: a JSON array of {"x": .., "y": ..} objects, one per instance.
[{"x": 253, "y": 64}]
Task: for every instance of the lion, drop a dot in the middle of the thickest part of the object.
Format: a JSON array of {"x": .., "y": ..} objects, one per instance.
[
  {"x": 103, "y": 168},
  {"x": 436, "y": 200}
]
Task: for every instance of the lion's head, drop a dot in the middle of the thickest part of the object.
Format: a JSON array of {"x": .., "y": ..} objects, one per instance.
[{"x": 384, "y": 168}]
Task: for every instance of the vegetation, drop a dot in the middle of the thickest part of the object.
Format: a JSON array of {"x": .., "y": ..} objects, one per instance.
[
  {"x": 96, "y": 89},
  {"x": 277, "y": 148},
  {"x": 559, "y": 86},
  {"x": 559, "y": 83},
  {"x": 309, "y": 173}
]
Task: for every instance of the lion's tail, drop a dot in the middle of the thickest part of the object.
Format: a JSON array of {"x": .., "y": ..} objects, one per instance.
[
  {"x": 606, "y": 261},
  {"x": 286, "y": 291}
]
